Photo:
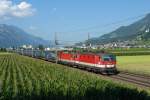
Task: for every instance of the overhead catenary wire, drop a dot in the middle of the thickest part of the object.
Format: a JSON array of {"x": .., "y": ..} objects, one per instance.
[
  {"x": 105, "y": 25},
  {"x": 99, "y": 26}
]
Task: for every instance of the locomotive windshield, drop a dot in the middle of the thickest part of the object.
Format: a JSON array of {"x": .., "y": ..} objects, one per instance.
[{"x": 109, "y": 58}]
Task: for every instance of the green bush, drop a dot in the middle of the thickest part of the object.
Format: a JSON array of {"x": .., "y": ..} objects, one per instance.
[{"x": 3, "y": 50}]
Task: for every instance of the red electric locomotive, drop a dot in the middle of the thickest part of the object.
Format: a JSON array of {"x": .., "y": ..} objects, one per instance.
[{"x": 103, "y": 63}]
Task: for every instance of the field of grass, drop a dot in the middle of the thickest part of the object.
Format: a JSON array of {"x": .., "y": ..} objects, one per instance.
[
  {"x": 138, "y": 64},
  {"x": 119, "y": 51},
  {"x": 129, "y": 51},
  {"x": 24, "y": 78},
  {"x": 2, "y": 53}
]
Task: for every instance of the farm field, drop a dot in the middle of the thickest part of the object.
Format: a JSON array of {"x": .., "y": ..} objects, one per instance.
[
  {"x": 4, "y": 53},
  {"x": 121, "y": 51},
  {"x": 136, "y": 64},
  {"x": 27, "y": 78}
]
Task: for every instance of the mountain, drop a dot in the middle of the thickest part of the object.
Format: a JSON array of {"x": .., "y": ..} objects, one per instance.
[
  {"x": 14, "y": 36},
  {"x": 138, "y": 31}
]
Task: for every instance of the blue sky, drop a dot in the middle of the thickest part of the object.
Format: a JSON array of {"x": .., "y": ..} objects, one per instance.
[{"x": 71, "y": 19}]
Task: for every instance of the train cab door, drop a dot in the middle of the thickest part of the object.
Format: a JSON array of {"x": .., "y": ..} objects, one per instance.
[
  {"x": 76, "y": 59},
  {"x": 97, "y": 60}
]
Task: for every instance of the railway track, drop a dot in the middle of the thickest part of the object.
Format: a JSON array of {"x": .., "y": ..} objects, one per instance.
[{"x": 140, "y": 80}]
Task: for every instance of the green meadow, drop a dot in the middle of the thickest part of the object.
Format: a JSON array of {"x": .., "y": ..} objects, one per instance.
[{"x": 137, "y": 64}]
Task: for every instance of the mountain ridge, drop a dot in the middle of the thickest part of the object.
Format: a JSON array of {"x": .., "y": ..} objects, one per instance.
[
  {"x": 124, "y": 33},
  {"x": 14, "y": 36}
]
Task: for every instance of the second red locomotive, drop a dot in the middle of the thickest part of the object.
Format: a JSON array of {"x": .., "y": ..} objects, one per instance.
[{"x": 103, "y": 63}]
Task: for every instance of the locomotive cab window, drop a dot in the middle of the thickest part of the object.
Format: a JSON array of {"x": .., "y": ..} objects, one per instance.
[
  {"x": 109, "y": 58},
  {"x": 106, "y": 59}
]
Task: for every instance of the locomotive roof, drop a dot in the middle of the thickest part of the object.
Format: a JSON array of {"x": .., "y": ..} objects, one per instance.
[
  {"x": 91, "y": 53},
  {"x": 97, "y": 53}
]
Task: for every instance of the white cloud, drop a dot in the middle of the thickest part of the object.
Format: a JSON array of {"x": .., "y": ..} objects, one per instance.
[
  {"x": 32, "y": 28},
  {"x": 8, "y": 9}
]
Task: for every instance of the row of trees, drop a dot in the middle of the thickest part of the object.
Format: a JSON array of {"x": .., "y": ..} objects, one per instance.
[{"x": 3, "y": 50}]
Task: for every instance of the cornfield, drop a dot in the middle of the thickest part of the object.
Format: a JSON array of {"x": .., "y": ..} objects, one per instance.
[{"x": 24, "y": 78}]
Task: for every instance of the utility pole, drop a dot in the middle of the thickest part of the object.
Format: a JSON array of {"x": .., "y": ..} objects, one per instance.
[
  {"x": 56, "y": 43},
  {"x": 56, "y": 40},
  {"x": 32, "y": 51},
  {"x": 88, "y": 36},
  {"x": 88, "y": 42},
  {"x": 22, "y": 51}
]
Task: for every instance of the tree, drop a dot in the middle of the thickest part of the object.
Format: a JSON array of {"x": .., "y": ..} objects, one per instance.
[
  {"x": 41, "y": 47},
  {"x": 3, "y": 49}
]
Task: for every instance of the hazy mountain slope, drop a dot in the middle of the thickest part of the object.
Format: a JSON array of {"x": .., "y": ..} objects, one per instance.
[
  {"x": 14, "y": 36},
  {"x": 133, "y": 31}
]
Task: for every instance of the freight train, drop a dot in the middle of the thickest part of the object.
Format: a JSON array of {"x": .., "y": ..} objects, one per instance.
[{"x": 103, "y": 63}]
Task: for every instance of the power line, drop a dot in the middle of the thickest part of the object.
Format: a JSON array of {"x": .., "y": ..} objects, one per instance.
[
  {"x": 105, "y": 25},
  {"x": 95, "y": 27},
  {"x": 68, "y": 41},
  {"x": 65, "y": 41}
]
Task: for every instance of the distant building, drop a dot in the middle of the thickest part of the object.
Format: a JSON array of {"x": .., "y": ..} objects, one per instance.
[
  {"x": 27, "y": 46},
  {"x": 147, "y": 30},
  {"x": 48, "y": 49}
]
